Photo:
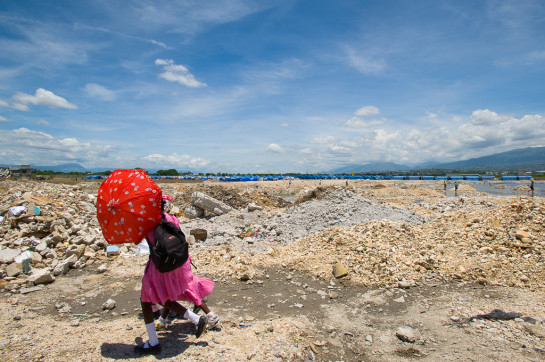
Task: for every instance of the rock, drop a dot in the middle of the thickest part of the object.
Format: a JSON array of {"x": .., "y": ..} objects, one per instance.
[
  {"x": 175, "y": 211},
  {"x": 520, "y": 234},
  {"x": 400, "y": 299},
  {"x": 14, "y": 269},
  {"x": 40, "y": 276},
  {"x": 102, "y": 268},
  {"x": 30, "y": 289},
  {"x": 193, "y": 212},
  {"x": 406, "y": 334},
  {"x": 339, "y": 270},
  {"x": 8, "y": 255},
  {"x": 406, "y": 284},
  {"x": 253, "y": 207},
  {"x": 42, "y": 247},
  {"x": 190, "y": 239},
  {"x": 369, "y": 338},
  {"x": 61, "y": 268},
  {"x": 210, "y": 204},
  {"x": 108, "y": 305}
]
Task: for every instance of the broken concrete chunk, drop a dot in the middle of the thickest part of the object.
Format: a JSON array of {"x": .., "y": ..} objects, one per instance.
[
  {"x": 406, "y": 334},
  {"x": 14, "y": 269},
  {"x": 253, "y": 207},
  {"x": 109, "y": 304},
  {"x": 8, "y": 255},
  {"x": 193, "y": 212},
  {"x": 209, "y": 204},
  {"x": 40, "y": 276}
]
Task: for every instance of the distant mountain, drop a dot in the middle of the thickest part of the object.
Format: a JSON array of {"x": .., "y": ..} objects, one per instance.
[
  {"x": 524, "y": 159},
  {"x": 370, "y": 167},
  {"x": 65, "y": 167},
  {"x": 531, "y": 158}
]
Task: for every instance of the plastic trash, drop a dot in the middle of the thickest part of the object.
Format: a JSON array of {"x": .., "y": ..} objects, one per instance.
[
  {"x": 17, "y": 210},
  {"x": 143, "y": 247}
]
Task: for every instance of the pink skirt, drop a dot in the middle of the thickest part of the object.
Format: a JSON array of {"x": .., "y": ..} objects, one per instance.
[{"x": 179, "y": 284}]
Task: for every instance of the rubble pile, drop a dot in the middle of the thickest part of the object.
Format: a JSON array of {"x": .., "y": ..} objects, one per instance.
[
  {"x": 503, "y": 247},
  {"x": 56, "y": 230}
]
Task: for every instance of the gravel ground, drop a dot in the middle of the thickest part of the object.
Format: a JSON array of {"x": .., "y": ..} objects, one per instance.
[{"x": 420, "y": 263}]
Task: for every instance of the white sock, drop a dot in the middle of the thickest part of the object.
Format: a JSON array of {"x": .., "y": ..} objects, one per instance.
[
  {"x": 162, "y": 320},
  {"x": 191, "y": 316},
  {"x": 152, "y": 334}
]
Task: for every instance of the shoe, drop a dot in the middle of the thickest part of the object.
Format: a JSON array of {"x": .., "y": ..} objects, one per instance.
[
  {"x": 147, "y": 349},
  {"x": 201, "y": 326},
  {"x": 213, "y": 320}
]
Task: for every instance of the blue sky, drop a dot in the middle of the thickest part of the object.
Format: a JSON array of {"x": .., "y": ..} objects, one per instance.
[{"x": 268, "y": 86}]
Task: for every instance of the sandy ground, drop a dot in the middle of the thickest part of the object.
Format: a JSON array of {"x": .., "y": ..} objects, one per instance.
[{"x": 288, "y": 305}]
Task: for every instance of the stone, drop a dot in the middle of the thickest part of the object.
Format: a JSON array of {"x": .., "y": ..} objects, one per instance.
[
  {"x": 61, "y": 268},
  {"x": 406, "y": 284},
  {"x": 254, "y": 207},
  {"x": 175, "y": 211},
  {"x": 102, "y": 268},
  {"x": 30, "y": 289},
  {"x": 209, "y": 203},
  {"x": 400, "y": 299},
  {"x": 520, "y": 234},
  {"x": 339, "y": 270},
  {"x": 41, "y": 247},
  {"x": 14, "y": 269},
  {"x": 193, "y": 212},
  {"x": 109, "y": 304},
  {"x": 406, "y": 334},
  {"x": 40, "y": 276},
  {"x": 369, "y": 338},
  {"x": 8, "y": 255}
]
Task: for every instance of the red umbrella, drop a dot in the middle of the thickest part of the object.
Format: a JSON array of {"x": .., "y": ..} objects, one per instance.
[{"x": 128, "y": 206}]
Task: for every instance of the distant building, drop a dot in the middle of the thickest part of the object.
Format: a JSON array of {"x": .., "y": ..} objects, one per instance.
[{"x": 23, "y": 171}]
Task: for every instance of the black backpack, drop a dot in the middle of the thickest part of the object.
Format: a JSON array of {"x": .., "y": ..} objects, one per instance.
[{"x": 170, "y": 250}]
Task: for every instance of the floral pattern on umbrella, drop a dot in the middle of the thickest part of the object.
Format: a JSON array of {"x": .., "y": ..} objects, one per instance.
[{"x": 128, "y": 206}]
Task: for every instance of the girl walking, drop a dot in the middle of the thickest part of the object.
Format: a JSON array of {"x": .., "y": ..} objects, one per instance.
[{"x": 166, "y": 289}]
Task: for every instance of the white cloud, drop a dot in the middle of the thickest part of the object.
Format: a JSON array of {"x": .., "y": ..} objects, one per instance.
[
  {"x": 364, "y": 62},
  {"x": 357, "y": 122},
  {"x": 285, "y": 124},
  {"x": 306, "y": 151},
  {"x": 100, "y": 92},
  {"x": 26, "y": 146},
  {"x": 42, "y": 97},
  {"x": 42, "y": 122},
  {"x": 338, "y": 149},
  {"x": 4, "y": 103},
  {"x": 367, "y": 111},
  {"x": 323, "y": 140},
  {"x": 175, "y": 160},
  {"x": 487, "y": 117},
  {"x": 275, "y": 148},
  {"x": 3, "y": 119},
  {"x": 178, "y": 73}
]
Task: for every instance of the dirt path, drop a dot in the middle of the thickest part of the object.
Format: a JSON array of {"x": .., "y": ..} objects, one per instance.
[{"x": 285, "y": 314}]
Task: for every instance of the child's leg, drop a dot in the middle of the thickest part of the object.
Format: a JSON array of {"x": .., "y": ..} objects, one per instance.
[
  {"x": 204, "y": 307},
  {"x": 200, "y": 322},
  {"x": 213, "y": 319},
  {"x": 147, "y": 312}
]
